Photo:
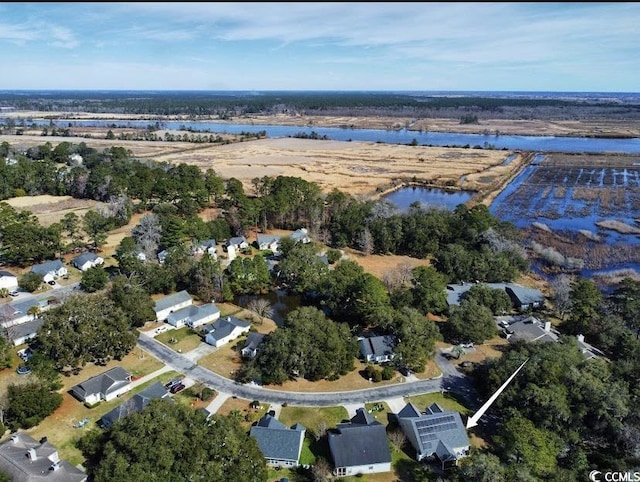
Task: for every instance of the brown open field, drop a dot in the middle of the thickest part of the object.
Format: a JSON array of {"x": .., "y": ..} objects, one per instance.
[
  {"x": 51, "y": 209},
  {"x": 357, "y": 168}
]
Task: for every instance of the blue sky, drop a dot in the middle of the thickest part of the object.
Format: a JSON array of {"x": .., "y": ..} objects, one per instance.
[{"x": 578, "y": 47}]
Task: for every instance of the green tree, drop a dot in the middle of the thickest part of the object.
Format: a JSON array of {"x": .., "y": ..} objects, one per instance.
[
  {"x": 85, "y": 328},
  {"x": 170, "y": 441},
  {"x": 429, "y": 290},
  {"x": 94, "y": 279},
  {"x": 30, "y": 281},
  {"x": 418, "y": 336},
  {"x": 96, "y": 226},
  {"x": 30, "y": 403},
  {"x": 586, "y": 301},
  {"x": 132, "y": 298},
  {"x": 470, "y": 322},
  {"x": 496, "y": 300},
  {"x": 5, "y": 353}
]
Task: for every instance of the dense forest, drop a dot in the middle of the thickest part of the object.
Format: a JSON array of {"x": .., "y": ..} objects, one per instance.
[{"x": 228, "y": 104}]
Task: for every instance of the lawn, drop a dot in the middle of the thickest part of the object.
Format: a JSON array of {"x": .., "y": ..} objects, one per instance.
[
  {"x": 181, "y": 340},
  {"x": 446, "y": 401},
  {"x": 241, "y": 408}
]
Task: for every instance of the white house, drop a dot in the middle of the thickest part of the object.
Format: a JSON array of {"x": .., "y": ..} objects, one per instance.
[
  {"x": 50, "y": 270},
  {"x": 106, "y": 386},
  {"x": 8, "y": 280},
  {"x": 377, "y": 349},
  {"x": 250, "y": 348},
  {"x": 194, "y": 316},
  {"x": 85, "y": 261},
  {"x": 12, "y": 314},
  {"x": 268, "y": 241},
  {"x": 301, "y": 235},
  {"x": 224, "y": 330},
  {"x": 238, "y": 242},
  {"x": 360, "y": 446},
  {"x": 167, "y": 305},
  {"x": 206, "y": 246},
  {"x": 25, "y": 332},
  {"x": 280, "y": 445}
]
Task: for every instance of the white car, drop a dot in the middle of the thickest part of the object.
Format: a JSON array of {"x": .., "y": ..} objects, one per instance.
[{"x": 13, "y": 293}]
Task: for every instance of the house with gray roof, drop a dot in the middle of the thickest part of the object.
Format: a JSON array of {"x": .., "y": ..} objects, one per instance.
[
  {"x": 206, "y": 246},
  {"x": 526, "y": 328},
  {"x": 360, "y": 446},
  {"x": 522, "y": 298},
  {"x": 106, "y": 386},
  {"x": 224, "y": 330},
  {"x": 194, "y": 316},
  {"x": 269, "y": 242},
  {"x": 301, "y": 235},
  {"x": 12, "y": 314},
  {"x": 87, "y": 260},
  {"x": 50, "y": 270},
  {"x": 280, "y": 445},
  {"x": 237, "y": 242},
  {"x": 23, "y": 459},
  {"x": 174, "y": 302},
  {"x": 136, "y": 404},
  {"x": 377, "y": 349},
  {"x": 435, "y": 434},
  {"x": 25, "y": 332},
  {"x": 588, "y": 351},
  {"x": 251, "y": 345}
]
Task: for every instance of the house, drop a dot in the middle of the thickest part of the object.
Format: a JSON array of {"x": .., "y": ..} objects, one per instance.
[
  {"x": 23, "y": 459},
  {"x": 280, "y": 445},
  {"x": 206, "y": 246},
  {"x": 377, "y": 349},
  {"x": 435, "y": 434},
  {"x": 527, "y": 328},
  {"x": 588, "y": 351},
  {"x": 360, "y": 446},
  {"x": 238, "y": 243},
  {"x": 194, "y": 316},
  {"x": 162, "y": 255},
  {"x": 136, "y": 404},
  {"x": 301, "y": 235},
  {"x": 13, "y": 314},
  {"x": 250, "y": 348},
  {"x": 24, "y": 332},
  {"x": 8, "y": 280},
  {"x": 524, "y": 298},
  {"x": 174, "y": 302},
  {"x": 106, "y": 386},
  {"x": 268, "y": 241},
  {"x": 50, "y": 270},
  {"x": 85, "y": 261},
  {"x": 224, "y": 330}
]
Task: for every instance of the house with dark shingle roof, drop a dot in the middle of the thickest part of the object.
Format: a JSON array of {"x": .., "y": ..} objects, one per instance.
[
  {"x": 224, "y": 330},
  {"x": 136, "y": 404},
  {"x": 526, "y": 328},
  {"x": 268, "y": 242},
  {"x": 435, "y": 434},
  {"x": 522, "y": 298},
  {"x": 377, "y": 349},
  {"x": 237, "y": 242},
  {"x": 12, "y": 314},
  {"x": 85, "y": 261},
  {"x": 23, "y": 459},
  {"x": 250, "y": 348},
  {"x": 280, "y": 445},
  {"x": 25, "y": 332},
  {"x": 360, "y": 446},
  {"x": 106, "y": 386},
  {"x": 50, "y": 270}
]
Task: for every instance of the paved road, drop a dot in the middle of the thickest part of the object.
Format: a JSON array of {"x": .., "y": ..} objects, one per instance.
[
  {"x": 183, "y": 364},
  {"x": 451, "y": 381}
]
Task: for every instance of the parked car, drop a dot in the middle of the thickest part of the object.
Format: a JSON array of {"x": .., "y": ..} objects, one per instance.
[
  {"x": 52, "y": 283},
  {"x": 23, "y": 370},
  {"x": 177, "y": 388},
  {"x": 172, "y": 383},
  {"x": 13, "y": 293}
]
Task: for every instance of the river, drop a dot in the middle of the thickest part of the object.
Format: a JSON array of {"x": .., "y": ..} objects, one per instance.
[{"x": 401, "y": 136}]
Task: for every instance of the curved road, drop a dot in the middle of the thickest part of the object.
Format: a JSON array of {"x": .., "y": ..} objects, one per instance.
[{"x": 451, "y": 381}]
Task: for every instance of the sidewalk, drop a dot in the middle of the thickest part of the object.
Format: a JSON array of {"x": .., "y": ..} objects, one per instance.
[{"x": 217, "y": 402}]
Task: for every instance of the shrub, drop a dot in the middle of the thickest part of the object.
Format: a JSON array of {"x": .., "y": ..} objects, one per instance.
[{"x": 387, "y": 373}]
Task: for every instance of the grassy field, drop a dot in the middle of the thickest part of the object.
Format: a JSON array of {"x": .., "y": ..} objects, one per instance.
[{"x": 181, "y": 340}]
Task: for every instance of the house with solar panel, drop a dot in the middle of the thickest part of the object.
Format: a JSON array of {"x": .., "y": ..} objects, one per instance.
[
  {"x": 435, "y": 434},
  {"x": 360, "y": 446},
  {"x": 280, "y": 445},
  {"x": 136, "y": 404}
]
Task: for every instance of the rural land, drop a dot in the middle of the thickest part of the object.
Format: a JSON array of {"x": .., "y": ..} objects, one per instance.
[{"x": 308, "y": 261}]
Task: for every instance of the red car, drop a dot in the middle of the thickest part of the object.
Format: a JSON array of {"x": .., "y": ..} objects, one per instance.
[{"x": 177, "y": 388}]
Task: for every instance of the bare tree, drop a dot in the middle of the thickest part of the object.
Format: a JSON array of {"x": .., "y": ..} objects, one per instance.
[
  {"x": 398, "y": 438},
  {"x": 366, "y": 241},
  {"x": 261, "y": 307},
  {"x": 321, "y": 471},
  {"x": 148, "y": 233},
  {"x": 561, "y": 296},
  {"x": 399, "y": 277}
]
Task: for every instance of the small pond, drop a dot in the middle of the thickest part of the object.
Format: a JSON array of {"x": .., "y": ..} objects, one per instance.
[
  {"x": 281, "y": 301},
  {"x": 427, "y": 197}
]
